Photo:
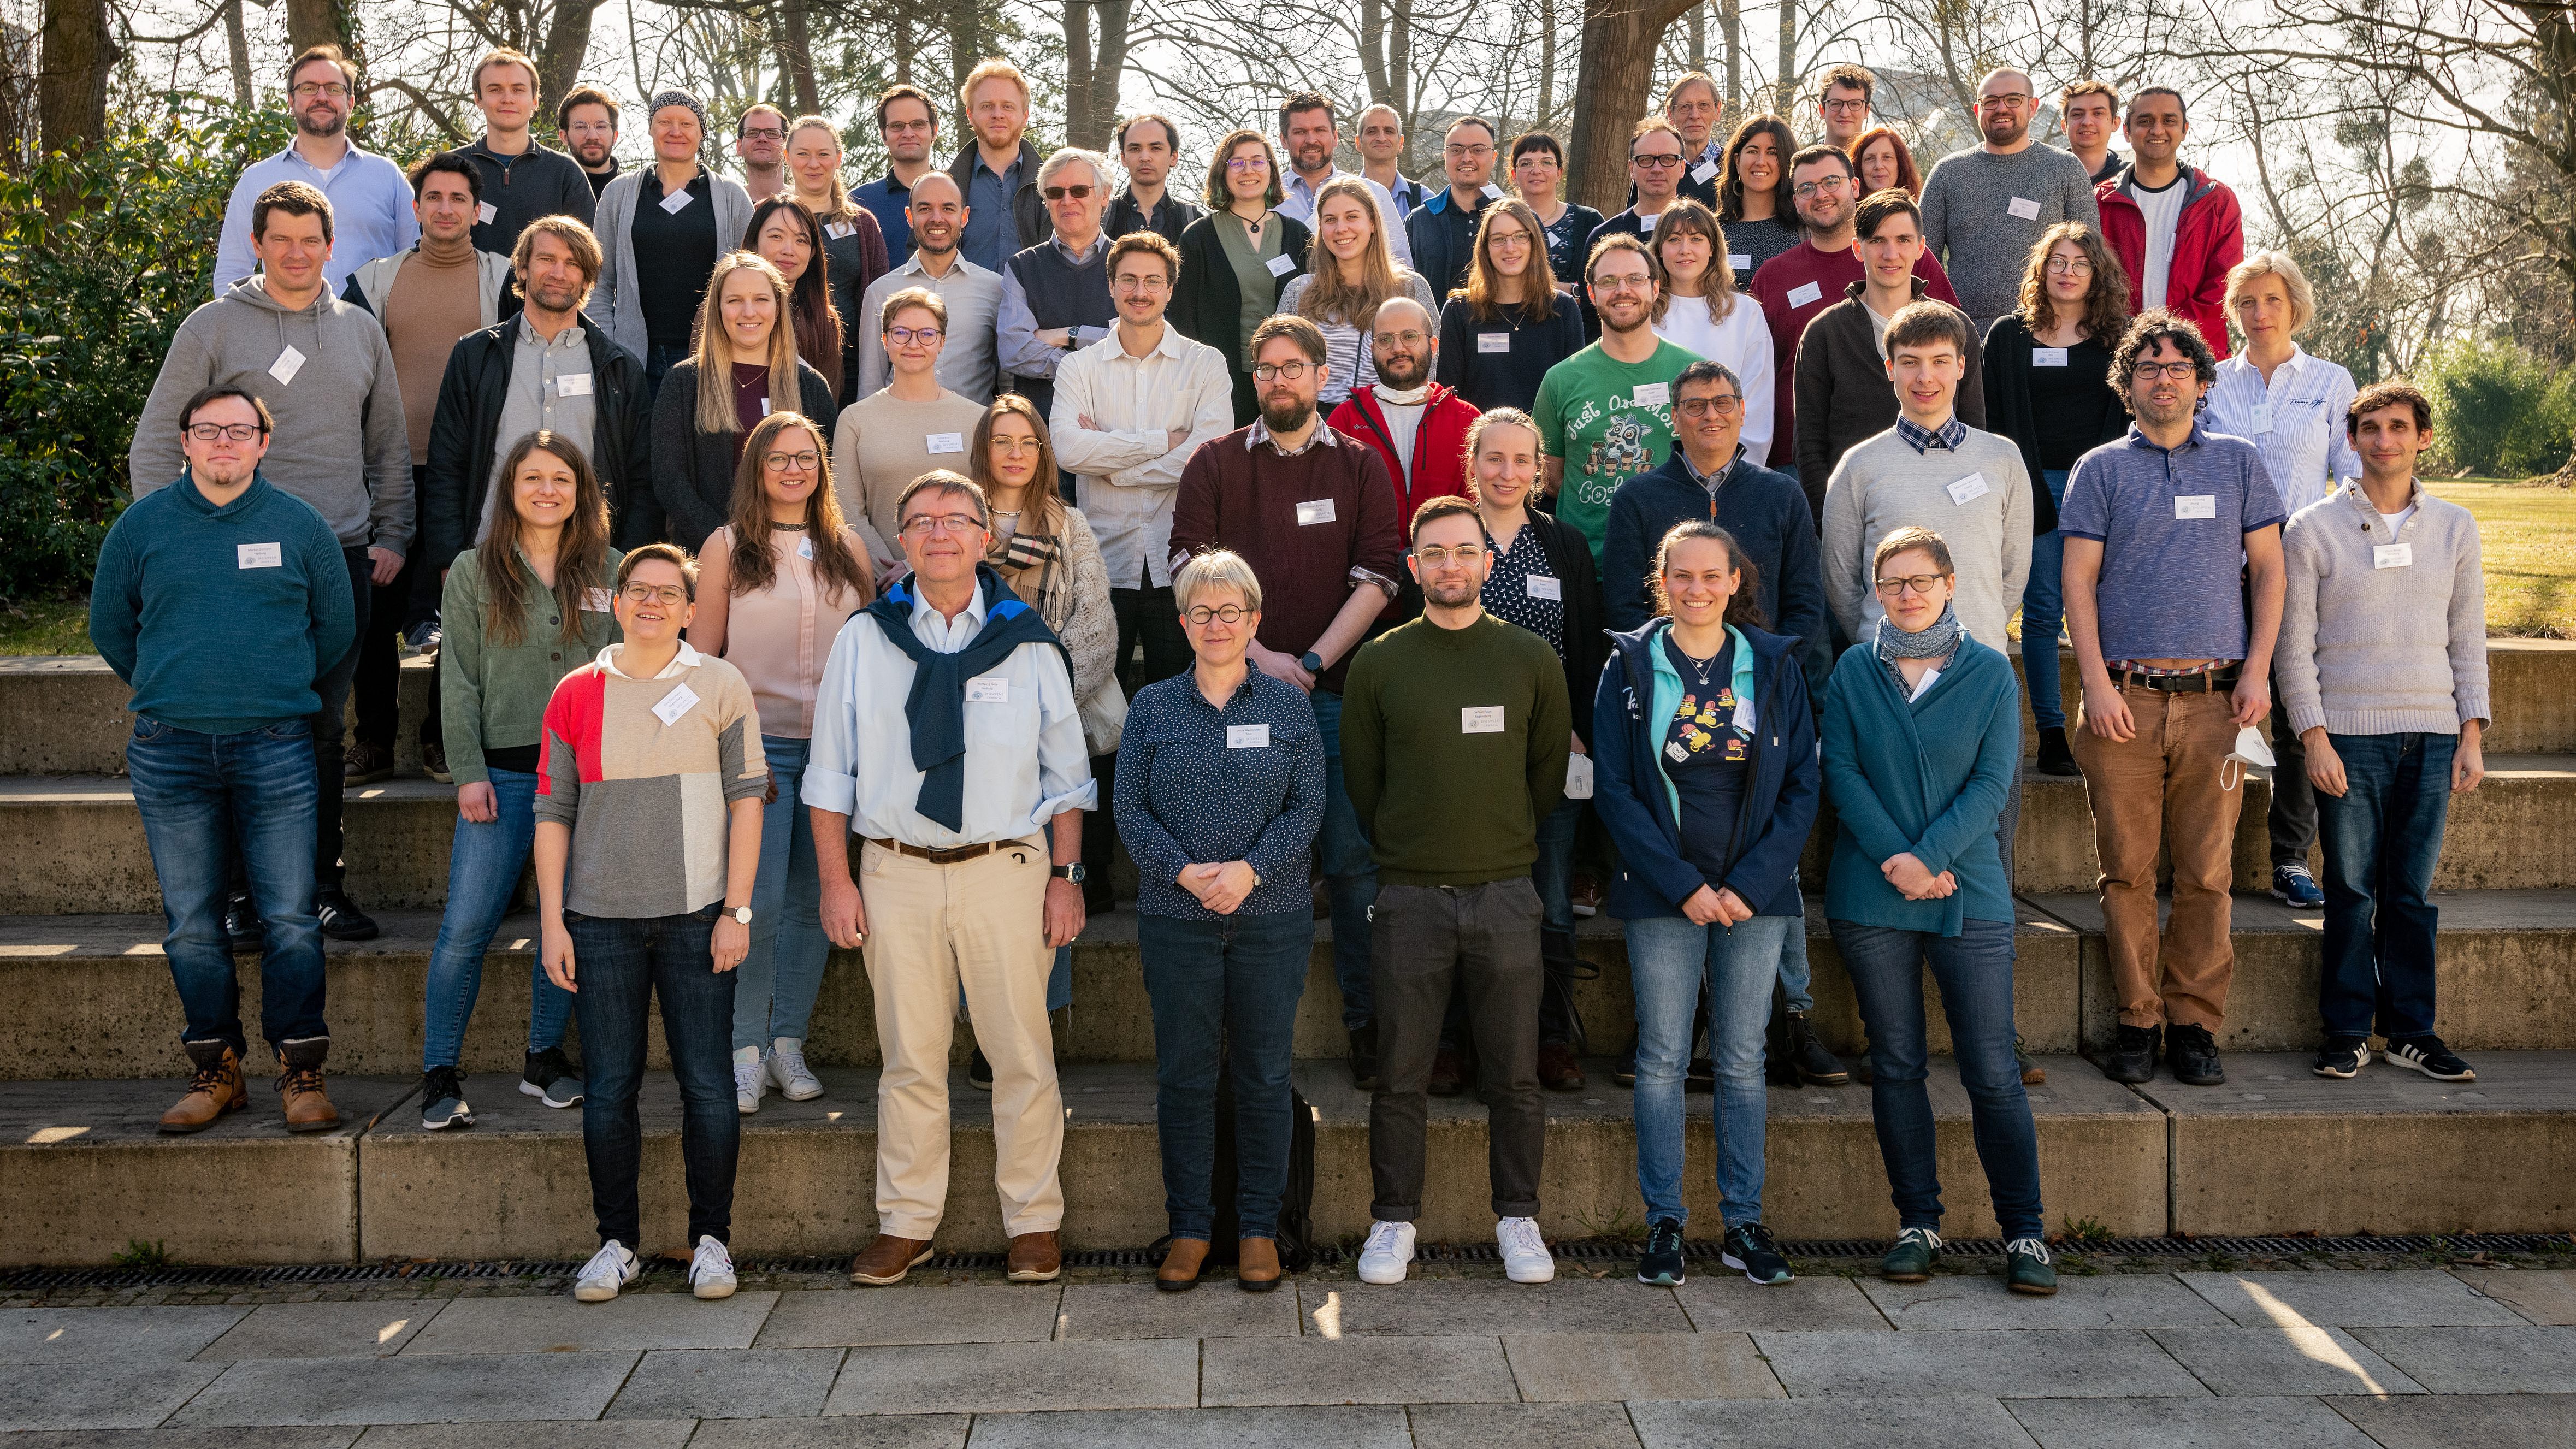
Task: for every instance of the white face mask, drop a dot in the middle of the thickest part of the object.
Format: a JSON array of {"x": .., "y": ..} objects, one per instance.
[{"x": 2251, "y": 749}]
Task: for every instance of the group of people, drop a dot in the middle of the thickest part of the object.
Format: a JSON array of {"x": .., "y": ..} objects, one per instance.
[{"x": 810, "y": 565}]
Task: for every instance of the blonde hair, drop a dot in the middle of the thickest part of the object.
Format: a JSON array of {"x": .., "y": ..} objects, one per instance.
[
  {"x": 714, "y": 351},
  {"x": 503, "y": 55},
  {"x": 992, "y": 67},
  {"x": 1327, "y": 297},
  {"x": 841, "y": 205},
  {"x": 2303, "y": 298},
  {"x": 1218, "y": 568}
]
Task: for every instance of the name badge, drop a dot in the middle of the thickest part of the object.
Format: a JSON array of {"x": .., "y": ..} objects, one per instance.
[
  {"x": 1543, "y": 587},
  {"x": 2023, "y": 207},
  {"x": 596, "y": 601},
  {"x": 805, "y": 548},
  {"x": 1704, "y": 172},
  {"x": 988, "y": 689},
  {"x": 1493, "y": 192},
  {"x": 1481, "y": 719},
  {"x": 1247, "y": 737},
  {"x": 1319, "y": 510},
  {"x": 1969, "y": 489},
  {"x": 2262, "y": 417},
  {"x": 676, "y": 202},
  {"x": 674, "y": 705},
  {"x": 1805, "y": 294},
  {"x": 1493, "y": 342},
  {"x": 288, "y": 363},
  {"x": 840, "y": 231},
  {"x": 1650, "y": 395},
  {"x": 1281, "y": 265},
  {"x": 2048, "y": 357},
  {"x": 2392, "y": 555},
  {"x": 944, "y": 442},
  {"x": 258, "y": 556},
  {"x": 484, "y": 211},
  {"x": 573, "y": 384},
  {"x": 2195, "y": 505},
  {"x": 1578, "y": 777},
  {"x": 1739, "y": 261}
]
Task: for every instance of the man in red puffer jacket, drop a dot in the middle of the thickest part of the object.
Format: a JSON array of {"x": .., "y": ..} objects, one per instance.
[
  {"x": 1418, "y": 426},
  {"x": 2175, "y": 229}
]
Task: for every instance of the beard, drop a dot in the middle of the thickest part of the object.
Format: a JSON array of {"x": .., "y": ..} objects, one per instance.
[
  {"x": 332, "y": 127},
  {"x": 1286, "y": 415},
  {"x": 1405, "y": 381},
  {"x": 1452, "y": 595}
]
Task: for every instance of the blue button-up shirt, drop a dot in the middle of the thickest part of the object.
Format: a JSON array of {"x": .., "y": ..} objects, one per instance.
[
  {"x": 992, "y": 234},
  {"x": 1197, "y": 785},
  {"x": 885, "y": 198},
  {"x": 371, "y": 213}
]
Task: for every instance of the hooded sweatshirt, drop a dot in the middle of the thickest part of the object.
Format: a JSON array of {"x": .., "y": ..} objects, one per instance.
[{"x": 340, "y": 443}]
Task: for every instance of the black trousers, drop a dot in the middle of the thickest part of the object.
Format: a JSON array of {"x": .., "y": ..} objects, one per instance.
[{"x": 1485, "y": 939}]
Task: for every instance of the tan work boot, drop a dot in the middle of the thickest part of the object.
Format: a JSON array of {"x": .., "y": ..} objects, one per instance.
[
  {"x": 1181, "y": 1264},
  {"x": 1256, "y": 1263},
  {"x": 887, "y": 1259},
  {"x": 1034, "y": 1258},
  {"x": 214, "y": 1090},
  {"x": 299, "y": 1085}
]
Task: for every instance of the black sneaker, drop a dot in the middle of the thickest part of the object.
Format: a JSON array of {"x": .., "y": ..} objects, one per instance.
[
  {"x": 979, "y": 1072},
  {"x": 1624, "y": 1070},
  {"x": 341, "y": 919},
  {"x": 1749, "y": 1247},
  {"x": 442, "y": 1100},
  {"x": 1815, "y": 1065},
  {"x": 243, "y": 929},
  {"x": 1661, "y": 1263},
  {"x": 2193, "y": 1054},
  {"x": 1364, "y": 1058},
  {"x": 2055, "y": 759},
  {"x": 551, "y": 1078},
  {"x": 2342, "y": 1057},
  {"x": 2426, "y": 1054},
  {"x": 2132, "y": 1057},
  {"x": 2032, "y": 1073},
  {"x": 433, "y": 762}
]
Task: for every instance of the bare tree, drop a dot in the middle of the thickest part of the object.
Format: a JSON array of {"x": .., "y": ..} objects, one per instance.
[
  {"x": 1093, "y": 64},
  {"x": 1610, "y": 92},
  {"x": 74, "y": 56}
]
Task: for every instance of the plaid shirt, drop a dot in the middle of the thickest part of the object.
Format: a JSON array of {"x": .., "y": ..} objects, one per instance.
[{"x": 1946, "y": 437}]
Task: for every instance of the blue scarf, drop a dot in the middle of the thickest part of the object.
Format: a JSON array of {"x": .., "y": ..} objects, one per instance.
[{"x": 936, "y": 707}]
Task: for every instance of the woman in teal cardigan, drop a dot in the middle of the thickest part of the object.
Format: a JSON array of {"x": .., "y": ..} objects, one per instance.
[{"x": 1922, "y": 728}]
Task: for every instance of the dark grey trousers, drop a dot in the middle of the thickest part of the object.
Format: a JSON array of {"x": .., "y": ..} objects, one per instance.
[
  {"x": 2292, "y": 820},
  {"x": 1483, "y": 939}
]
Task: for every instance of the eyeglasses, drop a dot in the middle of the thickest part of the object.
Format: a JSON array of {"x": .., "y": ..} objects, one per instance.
[
  {"x": 1656, "y": 161},
  {"x": 1846, "y": 108},
  {"x": 884, "y": 127},
  {"x": 1265, "y": 371},
  {"x": 1805, "y": 189},
  {"x": 2178, "y": 371},
  {"x": 800, "y": 462},
  {"x": 654, "y": 594},
  {"x": 1612, "y": 286},
  {"x": 1465, "y": 554},
  {"x": 763, "y": 133},
  {"x": 1202, "y": 615},
  {"x": 334, "y": 89},
  {"x": 1497, "y": 237},
  {"x": 1911, "y": 583},
  {"x": 1059, "y": 193},
  {"x": 907, "y": 336},
  {"x": 1461, "y": 153},
  {"x": 1700, "y": 407},
  {"x": 2069, "y": 267},
  {"x": 1247, "y": 163},
  {"x": 233, "y": 432},
  {"x": 2008, "y": 101},
  {"x": 1408, "y": 338},
  {"x": 923, "y": 525}
]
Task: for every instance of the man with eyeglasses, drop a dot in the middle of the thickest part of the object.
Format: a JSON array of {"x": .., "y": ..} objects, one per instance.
[
  {"x": 1843, "y": 396},
  {"x": 1055, "y": 295},
  {"x": 1605, "y": 415},
  {"x": 1985, "y": 207},
  {"x": 369, "y": 195},
  {"x": 521, "y": 179},
  {"x": 1313, "y": 512},
  {"x": 935, "y": 222},
  {"x": 948, "y": 739},
  {"x": 2175, "y": 228},
  {"x": 1418, "y": 427},
  {"x": 1443, "y": 228},
  {"x": 223, "y": 600},
  {"x": 760, "y": 143},
  {"x": 908, "y": 124},
  {"x": 1308, "y": 136},
  {"x": 1656, "y": 155},
  {"x": 1843, "y": 95},
  {"x": 587, "y": 121},
  {"x": 1149, "y": 146},
  {"x": 2171, "y": 533},
  {"x": 1381, "y": 146}
]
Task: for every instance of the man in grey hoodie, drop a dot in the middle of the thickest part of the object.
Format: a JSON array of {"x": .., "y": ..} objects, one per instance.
[{"x": 325, "y": 373}]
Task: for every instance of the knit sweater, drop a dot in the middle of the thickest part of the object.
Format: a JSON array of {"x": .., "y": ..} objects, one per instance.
[
  {"x": 1883, "y": 485},
  {"x": 1927, "y": 776},
  {"x": 1983, "y": 213},
  {"x": 492, "y": 697},
  {"x": 693, "y": 471},
  {"x": 1844, "y": 393},
  {"x": 2367, "y": 650}
]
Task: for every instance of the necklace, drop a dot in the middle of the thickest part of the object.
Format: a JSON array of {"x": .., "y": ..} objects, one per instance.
[
  {"x": 1699, "y": 671},
  {"x": 796, "y": 527}
]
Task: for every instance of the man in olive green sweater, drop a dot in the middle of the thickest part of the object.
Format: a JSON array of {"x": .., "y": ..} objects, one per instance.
[{"x": 1456, "y": 731}]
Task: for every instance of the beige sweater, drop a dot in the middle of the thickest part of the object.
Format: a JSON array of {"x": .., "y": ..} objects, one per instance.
[{"x": 881, "y": 445}]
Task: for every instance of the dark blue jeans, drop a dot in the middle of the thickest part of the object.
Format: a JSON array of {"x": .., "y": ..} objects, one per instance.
[
  {"x": 1350, "y": 872},
  {"x": 483, "y": 869},
  {"x": 2382, "y": 840},
  {"x": 1224, "y": 989},
  {"x": 1975, "y": 972},
  {"x": 619, "y": 965},
  {"x": 207, "y": 801}
]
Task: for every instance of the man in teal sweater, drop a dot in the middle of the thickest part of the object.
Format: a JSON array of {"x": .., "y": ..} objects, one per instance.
[
  {"x": 1456, "y": 730},
  {"x": 222, "y": 599}
]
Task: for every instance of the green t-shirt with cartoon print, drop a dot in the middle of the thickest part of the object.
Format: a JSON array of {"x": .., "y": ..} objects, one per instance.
[{"x": 1610, "y": 421}]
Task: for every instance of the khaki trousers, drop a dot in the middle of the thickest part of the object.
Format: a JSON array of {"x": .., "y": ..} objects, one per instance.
[
  {"x": 978, "y": 924},
  {"x": 2160, "y": 788}
]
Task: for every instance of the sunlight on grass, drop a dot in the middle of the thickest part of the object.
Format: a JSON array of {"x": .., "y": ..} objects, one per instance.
[
  {"x": 50, "y": 627},
  {"x": 2527, "y": 537}
]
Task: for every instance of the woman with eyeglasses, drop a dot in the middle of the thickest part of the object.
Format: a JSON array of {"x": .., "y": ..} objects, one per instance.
[
  {"x": 909, "y": 427},
  {"x": 1236, "y": 260},
  {"x": 852, "y": 241},
  {"x": 775, "y": 584},
  {"x": 1882, "y": 161},
  {"x": 744, "y": 368},
  {"x": 1922, "y": 730},
  {"x": 1219, "y": 795},
  {"x": 787, "y": 236},
  {"x": 2048, "y": 369},
  {"x": 1699, "y": 310},
  {"x": 1753, "y": 195},
  {"x": 1501, "y": 332},
  {"x": 1349, "y": 271}
]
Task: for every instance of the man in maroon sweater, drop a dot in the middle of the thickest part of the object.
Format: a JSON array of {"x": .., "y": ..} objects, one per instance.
[{"x": 1313, "y": 512}]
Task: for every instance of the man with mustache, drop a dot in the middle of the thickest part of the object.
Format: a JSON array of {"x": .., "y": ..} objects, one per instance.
[{"x": 371, "y": 200}]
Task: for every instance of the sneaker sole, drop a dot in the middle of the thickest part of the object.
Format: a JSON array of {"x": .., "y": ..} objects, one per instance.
[
  {"x": 1674, "y": 1280},
  {"x": 444, "y": 779},
  {"x": 1521, "y": 1276},
  {"x": 880, "y": 1282},
  {"x": 594, "y": 1295},
  {"x": 1730, "y": 1260},
  {"x": 461, "y": 1120},
  {"x": 792, "y": 1095},
  {"x": 2033, "y": 1290},
  {"x": 1032, "y": 1275},
  {"x": 531, "y": 1089},
  {"x": 2394, "y": 1060},
  {"x": 2341, "y": 1074},
  {"x": 712, "y": 1290},
  {"x": 2216, "y": 1079},
  {"x": 1379, "y": 1276}
]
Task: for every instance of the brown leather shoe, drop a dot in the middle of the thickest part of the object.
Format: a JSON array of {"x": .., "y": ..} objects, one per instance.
[
  {"x": 1256, "y": 1264},
  {"x": 215, "y": 1089},
  {"x": 1557, "y": 1070},
  {"x": 887, "y": 1259},
  {"x": 299, "y": 1085},
  {"x": 1181, "y": 1264},
  {"x": 1035, "y": 1258}
]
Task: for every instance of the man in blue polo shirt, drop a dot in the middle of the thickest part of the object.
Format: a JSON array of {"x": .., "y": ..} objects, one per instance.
[{"x": 2160, "y": 528}]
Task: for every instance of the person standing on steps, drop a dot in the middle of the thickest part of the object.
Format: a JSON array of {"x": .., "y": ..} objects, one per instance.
[
  {"x": 1308, "y": 136},
  {"x": 908, "y": 125},
  {"x": 1236, "y": 260},
  {"x": 521, "y": 179},
  {"x": 222, "y": 600},
  {"x": 1985, "y": 207},
  {"x": 743, "y": 368},
  {"x": 1455, "y": 750},
  {"x": 1510, "y": 322},
  {"x": 1699, "y": 311},
  {"x": 970, "y": 297},
  {"x": 947, "y": 737},
  {"x": 649, "y": 781},
  {"x": 997, "y": 170},
  {"x": 853, "y": 244},
  {"x": 2088, "y": 111},
  {"x": 2176, "y": 229},
  {"x": 1707, "y": 750},
  {"x": 1349, "y": 274},
  {"x": 663, "y": 228},
  {"x": 527, "y": 605},
  {"x": 1843, "y": 96},
  {"x": 586, "y": 119},
  {"x": 1381, "y": 148},
  {"x": 1418, "y": 427},
  {"x": 1149, "y": 147},
  {"x": 910, "y": 426},
  {"x": 784, "y": 233},
  {"x": 1605, "y": 414},
  {"x": 1538, "y": 174},
  {"x": 1442, "y": 230},
  {"x": 1881, "y": 162},
  {"x": 760, "y": 144},
  {"x": 1840, "y": 371},
  {"x": 366, "y": 191},
  {"x": 1754, "y": 198},
  {"x": 1055, "y": 295}
]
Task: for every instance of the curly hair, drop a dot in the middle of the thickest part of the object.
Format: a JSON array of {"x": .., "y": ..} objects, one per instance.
[
  {"x": 2150, "y": 329},
  {"x": 2106, "y": 301}
]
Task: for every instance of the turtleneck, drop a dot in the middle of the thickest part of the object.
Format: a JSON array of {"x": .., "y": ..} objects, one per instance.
[
  {"x": 436, "y": 298},
  {"x": 458, "y": 253}
]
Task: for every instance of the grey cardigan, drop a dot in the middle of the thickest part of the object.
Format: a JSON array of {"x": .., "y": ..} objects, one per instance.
[
  {"x": 617, "y": 303},
  {"x": 2367, "y": 650}
]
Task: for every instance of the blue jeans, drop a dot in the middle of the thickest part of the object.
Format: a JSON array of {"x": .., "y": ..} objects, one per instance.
[
  {"x": 483, "y": 869},
  {"x": 207, "y": 801},
  {"x": 1797, "y": 977},
  {"x": 1668, "y": 960},
  {"x": 2043, "y": 614},
  {"x": 784, "y": 970},
  {"x": 1226, "y": 991},
  {"x": 621, "y": 964},
  {"x": 2382, "y": 840},
  {"x": 1975, "y": 972},
  {"x": 1350, "y": 872}
]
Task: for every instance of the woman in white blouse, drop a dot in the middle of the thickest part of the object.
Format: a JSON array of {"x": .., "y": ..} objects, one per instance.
[{"x": 1698, "y": 310}]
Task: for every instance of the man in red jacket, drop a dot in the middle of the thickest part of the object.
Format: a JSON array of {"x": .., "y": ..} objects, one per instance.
[
  {"x": 2174, "y": 228},
  {"x": 1415, "y": 424}
]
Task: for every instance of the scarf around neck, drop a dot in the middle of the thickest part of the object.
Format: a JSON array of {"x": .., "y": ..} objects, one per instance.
[
  {"x": 936, "y": 707},
  {"x": 1939, "y": 640}
]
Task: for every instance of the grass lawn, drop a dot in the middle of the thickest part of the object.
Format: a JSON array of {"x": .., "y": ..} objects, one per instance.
[{"x": 45, "y": 627}]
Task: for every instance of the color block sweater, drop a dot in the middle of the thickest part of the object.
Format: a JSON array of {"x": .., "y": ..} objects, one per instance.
[{"x": 2373, "y": 646}]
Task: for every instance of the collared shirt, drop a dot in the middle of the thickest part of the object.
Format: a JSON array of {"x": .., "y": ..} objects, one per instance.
[
  {"x": 1259, "y": 433},
  {"x": 550, "y": 387},
  {"x": 2172, "y": 525},
  {"x": 1409, "y": 194},
  {"x": 371, "y": 213},
  {"x": 1946, "y": 437},
  {"x": 1020, "y": 351},
  {"x": 992, "y": 233},
  {"x": 1300, "y": 205},
  {"x": 1167, "y": 218},
  {"x": 1197, "y": 784},
  {"x": 1025, "y": 759},
  {"x": 1126, "y": 471},
  {"x": 885, "y": 198},
  {"x": 974, "y": 298},
  {"x": 2295, "y": 421}
]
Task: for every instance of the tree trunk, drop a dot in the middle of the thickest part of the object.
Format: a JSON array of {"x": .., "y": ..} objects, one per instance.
[
  {"x": 1546, "y": 63},
  {"x": 796, "y": 56},
  {"x": 567, "y": 45},
  {"x": 903, "y": 49},
  {"x": 71, "y": 74},
  {"x": 1699, "y": 37},
  {"x": 1106, "y": 71},
  {"x": 965, "y": 42},
  {"x": 315, "y": 22},
  {"x": 1077, "y": 72},
  {"x": 1784, "y": 81},
  {"x": 1399, "y": 60},
  {"x": 1373, "y": 50},
  {"x": 237, "y": 46},
  {"x": 1730, "y": 23},
  {"x": 1611, "y": 83}
]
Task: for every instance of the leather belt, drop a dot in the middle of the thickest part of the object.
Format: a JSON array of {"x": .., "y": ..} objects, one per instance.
[
  {"x": 2205, "y": 681},
  {"x": 951, "y": 855}
]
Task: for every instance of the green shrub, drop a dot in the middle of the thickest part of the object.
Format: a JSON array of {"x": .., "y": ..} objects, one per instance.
[{"x": 2498, "y": 411}]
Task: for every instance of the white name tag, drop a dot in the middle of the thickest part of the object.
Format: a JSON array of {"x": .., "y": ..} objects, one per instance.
[
  {"x": 1650, "y": 395},
  {"x": 2048, "y": 357},
  {"x": 2196, "y": 505},
  {"x": 1493, "y": 192},
  {"x": 1704, "y": 172},
  {"x": 2392, "y": 555},
  {"x": 1319, "y": 510},
  {"x": 2262, "y": 417},
  {"x": 2023, "y": 207},
  {"x": 674, "y": 202},
  {"x": 1493, "y": 342},
  {"x": 1578, "y": 777},
  {"x": 573, "y": 384},
  {"x": 1739, "y": 261},
  {"x": 288, "y": 363},
  {"x": 1281, "y": 265},
  {"x": 1481, "y": 719},
  {"x": 840, "y": 231},
  {"x": 1543, "y": 587},
  {"x": 259, "y": 556},
  {"x": 674, "y": 705},
  {"x": 944, "y": 442},
  {"x": 1805, "y": 294},
  {"x": 805, "y": 548},
  {"x": 1247, "y": 737},
  {"x": 597, "y": 601},
  {"x": 1969, "y": 489},
  {"x": 988, "y": 689},
  {"x": 484, "y": 211}
]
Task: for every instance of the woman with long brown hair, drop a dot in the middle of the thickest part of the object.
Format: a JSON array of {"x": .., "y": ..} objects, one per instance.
[
  {"x": 1349, "y": 271},
  {"x": 1501, "y": 332},
  {"x": 1699, "y": 310},
  {"x": 1236, "y": 260},
  {"x": 744, "y": 367},
  {"x": 525, "y": 606},
  {"x": 1753, "y": 195},
  {"x": 788, "y": 236},
  {"x": 1881, "y": 159},
  {"x": 775, "y": 585}
]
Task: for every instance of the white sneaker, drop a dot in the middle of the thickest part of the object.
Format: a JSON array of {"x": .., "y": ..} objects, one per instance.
[
  {"x": 711, "y": 1269},
  {"x": 787, "y": 1069},
  {"x": 1525, "y": 1255},
  {"x": 608, "y": 1270},
  {"x": 750, "y": 1080},
  {"x": 1389, "y": 1248}
]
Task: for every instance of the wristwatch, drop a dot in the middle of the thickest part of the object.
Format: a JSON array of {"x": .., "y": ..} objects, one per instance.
[
  {"x": 741, "y": 913},
  {"x": 1311, "y": 662},
  {"x": 1074, "y": 873}
]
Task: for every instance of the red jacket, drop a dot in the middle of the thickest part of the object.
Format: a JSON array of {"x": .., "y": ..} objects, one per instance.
[
  {"x": 2209, "y": 238},
  {"x": 1439, "y": 446}
]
